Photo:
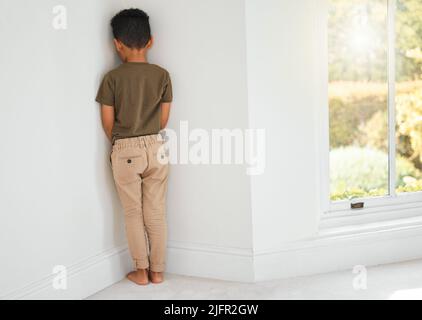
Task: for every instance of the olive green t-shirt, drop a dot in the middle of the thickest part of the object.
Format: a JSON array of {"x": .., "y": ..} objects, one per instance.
[{"x": 136, "y": 91}]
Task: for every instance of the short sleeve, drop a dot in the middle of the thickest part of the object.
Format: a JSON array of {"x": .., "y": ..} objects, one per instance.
[
  {"x": 105, "y": 93},
  {"x": 168, "y": 91}
]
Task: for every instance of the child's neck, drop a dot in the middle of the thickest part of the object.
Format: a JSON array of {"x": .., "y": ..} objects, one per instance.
[{"x": 136, "y": 56}]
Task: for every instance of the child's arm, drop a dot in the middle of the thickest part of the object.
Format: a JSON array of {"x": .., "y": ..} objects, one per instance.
[
  {"x": 107, "y": 119},
  {"x": 165, "y": 113}
]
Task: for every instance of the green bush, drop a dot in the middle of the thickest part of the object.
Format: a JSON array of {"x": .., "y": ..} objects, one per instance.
[
  {"x": 359, "y": 172},
  {"x": 409, "y": 123},
  {"x": 358, "y": 116},
  {"x": 352, "y": 105}
]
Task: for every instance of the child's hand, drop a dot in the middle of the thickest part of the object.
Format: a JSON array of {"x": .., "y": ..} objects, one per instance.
[
  {"x": 165, "y": 114},
  {"x": 107, "y": 119}
]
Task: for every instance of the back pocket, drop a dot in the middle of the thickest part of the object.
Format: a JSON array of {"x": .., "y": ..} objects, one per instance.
[{"x": 127, "y": 165}]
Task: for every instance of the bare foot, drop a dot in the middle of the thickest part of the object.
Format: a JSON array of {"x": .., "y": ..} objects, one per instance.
[
  {"x": 156, "y": 277},
  {"x": 139, "y": 276}
]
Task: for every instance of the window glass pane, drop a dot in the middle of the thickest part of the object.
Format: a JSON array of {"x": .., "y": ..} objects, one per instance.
[
  {"x": 409, "y": 95},
  {"x": 358, "y": 87}
]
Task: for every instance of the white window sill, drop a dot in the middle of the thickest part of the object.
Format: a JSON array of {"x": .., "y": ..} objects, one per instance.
[
  {"x": 378, "y": 230},
  {"x": 375, "y": 216}
]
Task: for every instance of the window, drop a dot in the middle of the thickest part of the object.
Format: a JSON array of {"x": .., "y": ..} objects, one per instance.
[{"x": 375, "y": 98}]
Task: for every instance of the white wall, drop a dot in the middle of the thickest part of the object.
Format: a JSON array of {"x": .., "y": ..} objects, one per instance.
[
  {"x": 281, "y": 88},
  {"x": 58, "y": 203}
]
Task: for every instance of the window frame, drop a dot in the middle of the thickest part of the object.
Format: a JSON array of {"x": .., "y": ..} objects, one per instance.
[{"x": 394, "y": 205}]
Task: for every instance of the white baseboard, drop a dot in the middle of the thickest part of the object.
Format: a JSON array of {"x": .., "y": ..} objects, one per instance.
[
  {"x": 84, "y": 278},
  {"x": 102, "y": 270},
  {"x": 341, "y": 250},
  {"x": 207, "y": 261}
]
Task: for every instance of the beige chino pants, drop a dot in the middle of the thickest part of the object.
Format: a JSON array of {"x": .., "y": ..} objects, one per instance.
[{"x": 141, "y": 182}]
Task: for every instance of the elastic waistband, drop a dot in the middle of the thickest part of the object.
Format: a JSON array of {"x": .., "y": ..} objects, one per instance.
[{"x": 141, "y": 141}]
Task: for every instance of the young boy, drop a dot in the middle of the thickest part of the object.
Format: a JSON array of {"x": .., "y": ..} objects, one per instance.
[{"x": 135, "y": 102}]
